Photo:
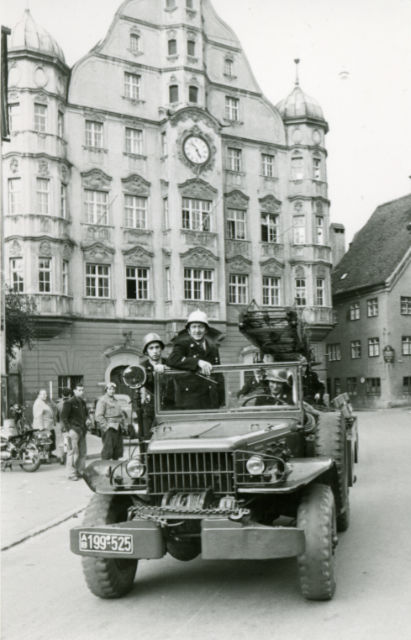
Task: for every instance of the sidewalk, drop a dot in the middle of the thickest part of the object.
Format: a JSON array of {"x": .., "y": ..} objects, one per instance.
[{"x": 32, "y": 502}]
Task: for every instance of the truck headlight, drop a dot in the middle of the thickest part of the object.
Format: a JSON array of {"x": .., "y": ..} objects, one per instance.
[
  {"x": 135, "y": 468},
  {"x": 255, "y": 466}
]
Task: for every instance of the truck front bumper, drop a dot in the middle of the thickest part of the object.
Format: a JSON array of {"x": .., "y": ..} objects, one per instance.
[{"x": 221, "y": 538}]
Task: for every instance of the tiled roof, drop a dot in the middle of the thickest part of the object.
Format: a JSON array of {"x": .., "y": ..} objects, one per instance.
[{"x": 376, "y": 249}]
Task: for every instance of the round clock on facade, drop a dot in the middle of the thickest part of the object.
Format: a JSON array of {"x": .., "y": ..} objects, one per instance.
[{"x": 196, "y": 149}]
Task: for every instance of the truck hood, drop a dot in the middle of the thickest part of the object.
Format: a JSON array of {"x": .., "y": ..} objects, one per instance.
[{"x": 213, "y": 435}]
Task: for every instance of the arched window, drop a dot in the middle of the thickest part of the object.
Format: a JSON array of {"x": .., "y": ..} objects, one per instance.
[
  {"x": 173, "y": 93},
  {"x": 172, "y": 47},
  {"x": 193, "y": 94}
]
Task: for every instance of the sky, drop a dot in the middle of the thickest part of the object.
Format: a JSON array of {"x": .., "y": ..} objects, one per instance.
[{"x": 355, "y": 61}]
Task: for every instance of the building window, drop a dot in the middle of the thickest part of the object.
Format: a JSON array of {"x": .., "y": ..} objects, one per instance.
[
  {"x": 166, "y": 214},
  {"x": 94, "y": 134},
  {"x": 320, "y": 292},
  {"x": 373, "y": 386},
  {"x": 132, "y": 86},
  {"x": 173, "y": 93},
  {"x": 236, "y": 224},
  {"x": 14, "y": 196},
  {"x": 60, "y": 124},
  {"x": 317, "y": 168},
  {"x": 271, "y": 291},
  {"x": 238, "y": 289},
  {"x": 43, "y": 205},
  {"x": 300, "y": 292},
  {"x": 406, "y": 384},
  {"x": 191, "y": 47},
  {"x": 133, "y": 141},
  {"x": 44, "y": 274},
  {"x": 269, "y": 227},
  {"x": 97, "y": 280},
  {"x": 170, "y": 4},
  {"x": 196, "y": 214},
  {"x": 355, "y": 349},
  {"x": 337, "y": 386},
  {"x": 137, "y": 283},
  {"x": 13, "y": 116},
  {"x": 136, "y": 212},
  {"x": 96, "y": 207},
  {"x": 406, "y": 345},
  {"x": 352, "y": 386},
  {"x": 63, "y": 201},
  {"x": 198, "y": 284},
  {"x": 373, "y": 347},
  {"x": 372, "y": 307},
  {"x": 299, "y": 229},
  {"x": 319, "y": 229},
  {"x": 68, "y": 382},
  {"x": 193, "y": 94},
  {"x": 232, "y": 108},
  {"x": 405, "y": 305},
  {"x": 333, "y": 352},
  {"x": 354, "y": 313},
  {"x": 234, "y": 159},
  {"x": 164, "y": 146},
  {"x": 267, "y": 165},
  {"x": 228, "y": 67},
  {"x": 172, "y": 47},
  {"x": 297, "y": 168},
  {"x": 135, "y": 43},
  {"x": 40, "y": 118},
  {"x": 189, "y": 4},
  {"x": 65, "y": 277},
  {"x": 16, "y": 275},
  {"x": 168, "y": 283}
]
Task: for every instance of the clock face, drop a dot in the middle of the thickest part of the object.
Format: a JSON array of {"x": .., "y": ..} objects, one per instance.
[{"x": 196, "y": 149}]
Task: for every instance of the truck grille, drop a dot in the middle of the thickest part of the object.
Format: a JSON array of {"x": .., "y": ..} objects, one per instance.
[{"x": 195, "y": 471}]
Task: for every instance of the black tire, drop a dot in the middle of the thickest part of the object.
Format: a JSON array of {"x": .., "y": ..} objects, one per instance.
[
  {"x": 33, "y": 458},
  {"x": 108, "y": 577},
  {"x": 316, "y": 515},
  {"x": 330, "y": 440}
]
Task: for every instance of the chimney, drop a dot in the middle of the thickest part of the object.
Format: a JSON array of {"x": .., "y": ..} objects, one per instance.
[{"x": 337, "y": 241}]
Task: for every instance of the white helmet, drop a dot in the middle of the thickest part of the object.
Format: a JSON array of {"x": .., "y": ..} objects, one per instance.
[
  {"x": 151, "y": 337},
  {"x": 197, "y": 316}
]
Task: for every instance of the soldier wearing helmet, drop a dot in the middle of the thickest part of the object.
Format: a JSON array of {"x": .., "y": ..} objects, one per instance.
[
  {"x": 153, "y": 363},
  {"x": 195, "y": 351},
  {"x": 279, "y": 386}
]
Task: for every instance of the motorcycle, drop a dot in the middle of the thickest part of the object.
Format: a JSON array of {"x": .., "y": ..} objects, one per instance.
[
  {"x": 19, "y": 449},
  {"x": 45, "y": 445}
]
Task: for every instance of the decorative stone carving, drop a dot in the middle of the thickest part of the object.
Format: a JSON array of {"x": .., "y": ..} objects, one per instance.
[
  {"x": 45, "y": 249},
  {"x": 67, "y": 251},
  {"x": 40, "y": 77},
  {"x": 95, "y": 179},
  {"x": 298, "y": 205},
  {"x": 93, "y": 115},
  {"x": 197, "y": 188},
  {"x": 14, "y": 76},
  {"x": 140, "y": 308},
  {"x": 43, "y": 168},
  {"x": 136, "y": 185},
  {"x": 299, "y": 272},
  {"x": 64, "y": 172},
  {"x": 15, "y": 249},
  {"x": 41, "y": 97},
  {"x": 195, "y": 115},
  {"x": 321, "y": 272},
  {"x": 45, "y": 224},
  {"x": 14, "y": 165},
  {"x": 95, "y": 233},
  {"x": 319, "y": 208},
  {"x": 98, "y": 252},
  {"x": 239, "y": 264},
  {"x": 272, "y": 267},
  {"x": 236, "y": 199},
  {"x": 269, "y": 204},
  {"x": 201, "y": 238},
  {"x": 138, "y": 256},
  {"x": 237, "y": 247},
  {"x": 199, "y": 257}
]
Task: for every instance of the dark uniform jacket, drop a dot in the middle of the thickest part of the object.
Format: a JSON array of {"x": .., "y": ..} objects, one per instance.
[
  {"x": 193, "y": 391},
  {"x": 74, "y": 415}
]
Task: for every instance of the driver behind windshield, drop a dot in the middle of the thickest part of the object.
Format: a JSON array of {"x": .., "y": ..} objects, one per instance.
[
  {"x": 279, "y": 389},
  {"x": 194, "y": 351}
]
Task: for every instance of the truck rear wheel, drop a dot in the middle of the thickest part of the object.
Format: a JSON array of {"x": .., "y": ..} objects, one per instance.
[
  {"x": 108, "y": 577},
  {"x": 316, "y": 516},
  {"x": 330, "y": 440}
]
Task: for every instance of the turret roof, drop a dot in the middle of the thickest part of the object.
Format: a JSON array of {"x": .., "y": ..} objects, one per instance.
[{"x": 27, "y": 34}]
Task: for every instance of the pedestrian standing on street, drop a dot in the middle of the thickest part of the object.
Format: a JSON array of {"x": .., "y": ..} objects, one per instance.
[
  {"x": 43, "y": 416},
  {"x": 74, "y": 418},
  {"x": 62, "y": 435},
  {"x": 110, "y": 419},
  {"x": 154, "y": 363}
]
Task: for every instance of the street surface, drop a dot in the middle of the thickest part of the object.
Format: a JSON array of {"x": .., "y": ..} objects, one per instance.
[{"x": 45, "y": 597}]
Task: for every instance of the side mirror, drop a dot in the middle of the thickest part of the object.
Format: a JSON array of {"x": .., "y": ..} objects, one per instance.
[{"x": 134, "y": 376}]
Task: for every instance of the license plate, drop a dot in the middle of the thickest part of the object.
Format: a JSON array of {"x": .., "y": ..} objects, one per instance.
[{"x": 108, "y": 542}]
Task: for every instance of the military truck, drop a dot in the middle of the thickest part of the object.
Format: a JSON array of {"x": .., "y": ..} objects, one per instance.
[{"x": 258, "y": 475}]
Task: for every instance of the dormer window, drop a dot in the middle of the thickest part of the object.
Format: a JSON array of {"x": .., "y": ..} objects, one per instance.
[{"x": 229, "y": 67}]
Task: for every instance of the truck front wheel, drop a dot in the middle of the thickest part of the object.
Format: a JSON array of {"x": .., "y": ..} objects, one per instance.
[
  {"x": 316, "y": 516},
  {"x": 108, "y": 577}
]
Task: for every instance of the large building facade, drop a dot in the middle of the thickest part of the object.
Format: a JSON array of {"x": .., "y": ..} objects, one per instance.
[
  {"x": 369, "y": 350},
  {"x": 152, "y": 178}
]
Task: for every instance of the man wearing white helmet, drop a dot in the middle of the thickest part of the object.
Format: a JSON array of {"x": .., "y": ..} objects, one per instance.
[
  {"x": 154, "y": 363},
  {"x": 194, "y": 351}
]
